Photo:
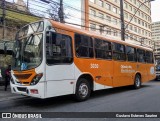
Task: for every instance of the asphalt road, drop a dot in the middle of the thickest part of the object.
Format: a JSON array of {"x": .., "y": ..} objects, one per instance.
[{"x": 123, "y": 99}]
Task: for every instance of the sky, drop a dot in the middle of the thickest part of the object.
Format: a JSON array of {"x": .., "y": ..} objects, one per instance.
[{"x": 155, "y": 10}]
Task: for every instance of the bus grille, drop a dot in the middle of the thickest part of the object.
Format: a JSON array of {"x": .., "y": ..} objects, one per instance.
[{"x": 22, "y": 89}]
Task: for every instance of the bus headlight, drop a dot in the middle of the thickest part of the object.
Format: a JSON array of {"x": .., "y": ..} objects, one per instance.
[{"x": 36, "y": 79}]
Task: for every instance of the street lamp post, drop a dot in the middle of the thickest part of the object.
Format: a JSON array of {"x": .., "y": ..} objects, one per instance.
[{"x": 123, "y": 27}]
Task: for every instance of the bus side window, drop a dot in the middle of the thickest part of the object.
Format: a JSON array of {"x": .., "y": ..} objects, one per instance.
[
  {"x": 58, "y": 49},
  {"x": 131, "y": 54},
  {"x": 102, "y": 49},
  {"x": 119, "y": 52},
  {"x": 83, "y": 46},
  {"x": 141, "y": 55},
  {"x": 149, "y": 57}
]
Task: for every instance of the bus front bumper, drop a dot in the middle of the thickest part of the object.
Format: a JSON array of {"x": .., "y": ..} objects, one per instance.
[{"x": 33, "y": 91}]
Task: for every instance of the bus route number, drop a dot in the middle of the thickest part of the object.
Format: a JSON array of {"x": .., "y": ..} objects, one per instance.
[{"x": 94, "y": 65}]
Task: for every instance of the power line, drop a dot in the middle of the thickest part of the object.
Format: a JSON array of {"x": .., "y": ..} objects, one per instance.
[{"x": 67, "y": 22}]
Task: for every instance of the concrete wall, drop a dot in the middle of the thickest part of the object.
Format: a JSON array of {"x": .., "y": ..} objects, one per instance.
[{"x": 9, "y": 33}]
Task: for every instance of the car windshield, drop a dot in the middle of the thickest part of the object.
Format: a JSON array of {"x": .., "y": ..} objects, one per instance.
[{"x": 28, "y": 52}]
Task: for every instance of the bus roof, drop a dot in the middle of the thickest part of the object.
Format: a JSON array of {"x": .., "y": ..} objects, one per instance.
[{"x": 93, "y": 34}]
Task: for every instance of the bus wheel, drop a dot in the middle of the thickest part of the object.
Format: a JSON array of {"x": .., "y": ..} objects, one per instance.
[
  {"x": 83, "y": 90},
  {"x": 137, "y": 82}
]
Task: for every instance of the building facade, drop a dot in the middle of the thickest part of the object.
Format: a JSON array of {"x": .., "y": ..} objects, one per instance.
[
  {"x": 103, "y": 17},
  {"x": 156, "y": 36}
]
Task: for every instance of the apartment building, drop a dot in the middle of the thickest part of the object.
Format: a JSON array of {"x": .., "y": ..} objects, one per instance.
[
  {"x": 156, "y": 35},
  {"x": 103, "y": 17}
]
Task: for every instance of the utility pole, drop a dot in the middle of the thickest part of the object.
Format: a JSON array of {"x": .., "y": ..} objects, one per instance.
[
  {"x": 27, "y": 5},
  {"x": 122, "y": 21},
  {"x": 3, "y": 17},
  {"x": 60, "y": 13}
]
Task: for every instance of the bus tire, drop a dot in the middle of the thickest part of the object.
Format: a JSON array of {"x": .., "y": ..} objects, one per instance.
[
  {"x": 137, "y": 82},
  {"x": 83, "y": 90}
]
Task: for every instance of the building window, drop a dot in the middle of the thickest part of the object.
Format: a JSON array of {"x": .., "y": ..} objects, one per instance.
[
  {"x": 125, "y": 5},
  {"x": 139, "y": 31},
  {"x": 131, "y": 27},
  {"x": 93, "y": 12},
  {"x": 126, "y": 15},
  {"x": 131, "y": 37},
  {"x": 142, "y": 15},
  {"x": 135, "y": 29},
  {"x": 109, "y": 31},
  {"x": 93, "y": 1},
  {"x": 130, "y": 7},
  {"x": 139, "y": 21},
  {"x": 108, "y": 19},
  {"x": 142, "y": 23},
  {"x": 135, "y": 20},
  {"x": 115, "y": 21},
  {"x": 139, "y": 13},
  {"x": 135, "y": 10},
  {"x": 101, "y": 29},
  {"x": 93, "y": 27},
  {"x": 146, "y": 25},
  {"x": 142, "y": 32},
  {"x": 126, "y": 36},
  {"x": 130, "y": 17},
  {"x": 108, "y": 6},
  {"x": 114, "y": 9},
  {"x": 115, "y": 33},
  {"x": 146, "y": 17},
  {"x": 101, "y": 15},
  {"x": 101, "y": 3}
]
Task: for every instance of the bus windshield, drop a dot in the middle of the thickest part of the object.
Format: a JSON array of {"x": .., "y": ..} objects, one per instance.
[
  {"x": 28, "y": 47},
  {"x": 28, "y": 52}
]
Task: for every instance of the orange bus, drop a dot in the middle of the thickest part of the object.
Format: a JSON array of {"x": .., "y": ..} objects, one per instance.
[{"x": 53, "y": 59}]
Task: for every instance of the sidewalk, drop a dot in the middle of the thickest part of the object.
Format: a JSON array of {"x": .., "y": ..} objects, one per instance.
[{"x": 7, "y": 95}]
